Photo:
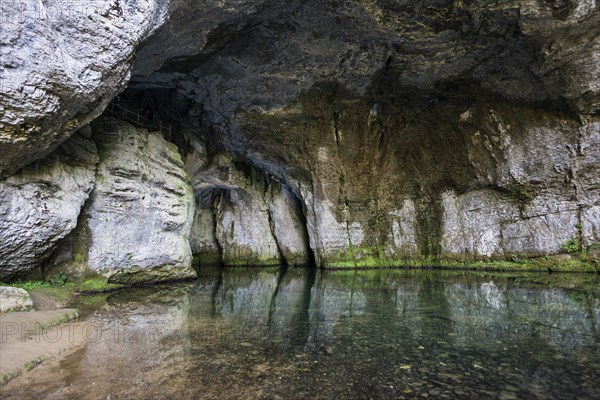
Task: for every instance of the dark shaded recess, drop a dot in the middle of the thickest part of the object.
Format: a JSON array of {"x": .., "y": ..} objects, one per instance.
[
  {"x": 273, "y": 303},
  {"x": 75, "y": 244},
  {"x": 165, "y": 102},
  {"x": 253, "y": 174},
  {"x": 206, "y": 199},
  {"x": 312, "y": 259},
  {"x": 429, "y": 227},
  {"x": 219, "y": 38},
  {"x": 391, "y": 89},
  {"x": 214, "y": 291},
  {"x": 300, "y": 323}
]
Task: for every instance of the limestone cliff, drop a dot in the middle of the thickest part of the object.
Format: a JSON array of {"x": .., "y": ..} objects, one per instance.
[
  {"x": 40, "y": 204},
  {"x": 460, "y": 130},
  {"x": 353, "y": 132},
  {"x": 140, "y": 214},
  {"x": 244, "y": 217},
  {"x": 62, "y": 62},
  {"x": 137, "y": 217}
]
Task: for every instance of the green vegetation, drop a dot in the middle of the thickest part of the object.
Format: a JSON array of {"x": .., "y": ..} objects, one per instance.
[
  {"x": 27, "y": 285},
  {"x": 61, "y": 283},
  {"x": 58, "y": 280},
  {"x": 252, "y": 260},
  {"x": 32, "y": 364},
  {"x": 69, "y": 315},
  {"x": 364, "y": 257},
  {"x": 521, "y": 196},
  {"x": 571, "y": 246},
  {"x": 269, "y": 269},
  {"x": 96, "y": 285}
]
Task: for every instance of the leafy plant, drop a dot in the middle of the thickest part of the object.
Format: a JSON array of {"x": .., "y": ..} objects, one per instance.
[
  {"x": 58, "y": 280},
  {"x": 571, "y": 246}
]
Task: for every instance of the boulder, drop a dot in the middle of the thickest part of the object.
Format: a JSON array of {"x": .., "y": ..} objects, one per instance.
[
  {"x": 62, "y": 62},
  {"x": 14, "y": 299},
  {"x": 40, "y": 205},
  {"x": 140, "y": 214}
]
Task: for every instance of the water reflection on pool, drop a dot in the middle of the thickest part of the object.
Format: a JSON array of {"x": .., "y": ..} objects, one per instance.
[{"x": 340, "y": 334}]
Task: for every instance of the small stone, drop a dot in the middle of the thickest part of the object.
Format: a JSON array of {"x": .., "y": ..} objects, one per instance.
[{"x": 14, "y": 299}]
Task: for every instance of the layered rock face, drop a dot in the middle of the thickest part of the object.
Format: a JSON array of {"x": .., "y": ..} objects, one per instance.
[
  {"x": 135, "y": 225},
  {"x": 140, "y": 214},
  {"x": 371, "y": 132},
  {"x": 412, "y": 130},
  {"x": 244, "y": 217},
  {"x": 493, "y": 184},
  {"x": 40, "y": 205}
]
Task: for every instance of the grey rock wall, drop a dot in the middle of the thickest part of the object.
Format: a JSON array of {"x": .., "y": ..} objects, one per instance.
[
  {"x": 244, "y": 231},
  {"x": 62, "y": 62},
  {"x": 203, "y": 242},
  {"x": 40, "y": 205},
  {"x": 141, "y": 211},
  {"x": 395, "y": 130},
  {"x": 243, "y": 217},
  {"x": 405, "y": 130},
  {"x": 288, "y": 225}
]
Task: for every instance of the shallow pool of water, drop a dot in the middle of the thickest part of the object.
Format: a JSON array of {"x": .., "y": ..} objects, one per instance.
[{"x": 332, "y": 335}]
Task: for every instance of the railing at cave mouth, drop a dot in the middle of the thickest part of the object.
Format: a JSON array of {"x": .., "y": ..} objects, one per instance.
[{"x": 139, "y": 118}]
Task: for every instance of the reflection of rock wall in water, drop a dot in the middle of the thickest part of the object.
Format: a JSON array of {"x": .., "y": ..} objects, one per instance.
[
  {"x": 492, "y": 311},
  {"x": 145, "y": 338},
  {"x": 312, "y": 311}
]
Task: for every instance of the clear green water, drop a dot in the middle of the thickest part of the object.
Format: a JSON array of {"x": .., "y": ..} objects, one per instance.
[{"x": 335, "y": 335}]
